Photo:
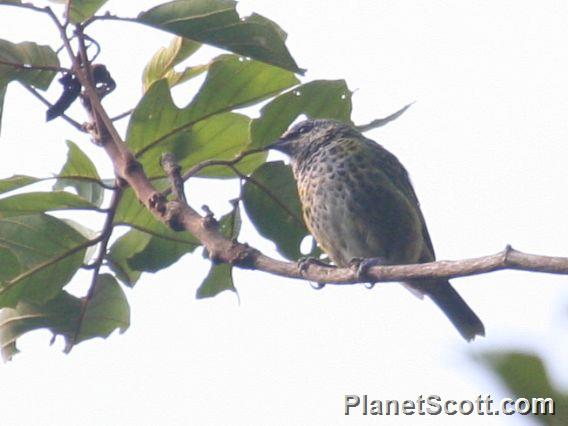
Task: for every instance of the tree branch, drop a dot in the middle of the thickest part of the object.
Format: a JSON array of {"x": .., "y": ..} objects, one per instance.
[
  {"x": 180, "y": 216},
  {"x": 506, "y": 259}
]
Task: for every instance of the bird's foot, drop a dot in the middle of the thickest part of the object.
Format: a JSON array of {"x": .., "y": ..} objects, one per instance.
[
  {"x": 361, "y": 267},
  {"x": 305, "y": 262}
]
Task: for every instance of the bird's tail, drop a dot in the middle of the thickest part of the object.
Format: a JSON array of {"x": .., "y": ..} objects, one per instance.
[{"x": 458, "y": 312}]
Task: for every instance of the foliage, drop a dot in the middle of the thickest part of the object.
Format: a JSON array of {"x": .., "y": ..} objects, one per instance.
[
  {"x": 525, "y": 376},
  {"x": 40, "y": 253}
]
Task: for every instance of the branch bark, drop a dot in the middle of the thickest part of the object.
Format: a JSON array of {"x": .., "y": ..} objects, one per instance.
[{"x": 506, "y": 259}]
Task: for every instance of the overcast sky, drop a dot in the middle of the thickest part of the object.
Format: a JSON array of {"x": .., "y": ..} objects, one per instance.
[{"x": 486, "y": 146}]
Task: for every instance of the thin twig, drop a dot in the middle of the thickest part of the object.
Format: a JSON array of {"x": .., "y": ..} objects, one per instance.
[
  {"x": 122, "y": 115},
  {"x": 96, "y": 44},
  {"x": 67, "y": 13},
  {"x": 69, "y": 120},
  {"x": 210, "y": 163},
  {"x": 26, "y": 6},
  {"x": 268, "y": 192},
  {"x": 231, "y": 164},
  {"x": 106, "y": 233},
  {"x": 172, "y": 169},
  {"x": 83, "y": 178},
  {"x": 107, "y": 17}
]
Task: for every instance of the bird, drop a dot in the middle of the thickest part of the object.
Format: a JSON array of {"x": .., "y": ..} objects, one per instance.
[{"x": 359, "y": 204}]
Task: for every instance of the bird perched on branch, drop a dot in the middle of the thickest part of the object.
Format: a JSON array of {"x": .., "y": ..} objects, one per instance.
[{"x": 358, "y": 203}]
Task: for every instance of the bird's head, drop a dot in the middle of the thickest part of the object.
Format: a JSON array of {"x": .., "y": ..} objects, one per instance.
[{"x": 308, "y": 136}]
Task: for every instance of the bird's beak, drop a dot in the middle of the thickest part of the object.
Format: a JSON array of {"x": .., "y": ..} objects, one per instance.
[{"x": 283, "y": 145}]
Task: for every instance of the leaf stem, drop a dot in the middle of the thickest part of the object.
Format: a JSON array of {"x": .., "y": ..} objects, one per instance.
[
  {"x": 106, "y": 233},
  {"x": 32, "y": 67}
]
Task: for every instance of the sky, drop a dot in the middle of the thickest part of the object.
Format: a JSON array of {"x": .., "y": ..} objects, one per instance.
[{"x": 486, "y": 146}]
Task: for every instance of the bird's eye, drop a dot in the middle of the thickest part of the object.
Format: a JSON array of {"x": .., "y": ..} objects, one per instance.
[{"x": 305, "y": 128}]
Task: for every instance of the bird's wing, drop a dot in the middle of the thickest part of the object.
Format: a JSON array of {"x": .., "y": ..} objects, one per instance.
[{"x": 400, "y": 178}]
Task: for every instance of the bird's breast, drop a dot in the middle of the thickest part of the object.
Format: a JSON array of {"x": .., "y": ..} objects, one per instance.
[{"x": 357, "y": 213}]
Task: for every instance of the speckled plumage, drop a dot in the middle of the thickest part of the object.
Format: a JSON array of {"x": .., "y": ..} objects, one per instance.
[{"x": 358, "y": 202}]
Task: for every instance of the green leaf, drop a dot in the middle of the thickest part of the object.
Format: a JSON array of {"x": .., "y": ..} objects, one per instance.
[
  {"x": 380, "y": 122},
  {"x": 526, "y": 377},
  {"x": 15, "y": 182},
  {"x": 221, "y": 136},
  {"x": 230, "y": 224},
  {"x": 136, "y": 252},
  {"x": 88, "y": 233},
  {"x": 107, "y": 310},
  {"x": 219, "y": 279},
  {"x": 48, "y": 252},
  {"x": 317, "y": 99},
  {"x": 163, "y": 62},
  {"x": 131, "y": 212},
  {"x": 216, "y": 22},
  {"x": 234, "y": 82},
  {"x": 150, "y": 246},
  {"x": 80, "y": 173},
  {"x": 3, "y": 87},
  {"x": 37, "y": 202},
  {"x": 204, "y": 129},
  {"x": 159, "y": 253},
  {"x": 220, "y": 276},
  {"x": 122, "y": 250},
  {"x": 271, "y": 201},
  {"x": 25, "y": 54},
  {"x": 524, "y": 374},
  {"x": 59, "y": 315},
  {"x": 9, "y": 264},
  {"x": 82, "y": 10}
]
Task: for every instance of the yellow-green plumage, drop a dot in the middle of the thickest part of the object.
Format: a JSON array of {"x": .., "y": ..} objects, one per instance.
[{"x": 358, "y": 202}]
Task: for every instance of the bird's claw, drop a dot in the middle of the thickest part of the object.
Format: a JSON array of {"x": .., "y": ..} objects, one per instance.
[
  {"x": 317, "y": 286},
  {"x": 305, "y": 262},
  {"x": 361, "y": 268}
]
